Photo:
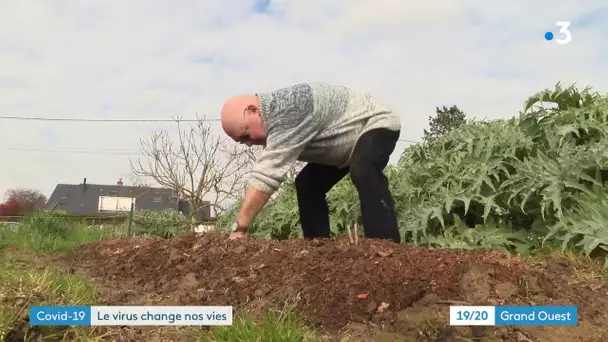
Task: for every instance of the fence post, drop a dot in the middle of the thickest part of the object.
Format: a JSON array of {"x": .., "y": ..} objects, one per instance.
[{"x": 130, "y": 219}]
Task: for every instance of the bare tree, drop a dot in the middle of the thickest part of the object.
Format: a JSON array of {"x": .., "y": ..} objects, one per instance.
[
  {"x": 197, "y": 164},
  {"x": 138, "y": 181},
  {"x": 253, "y": 152}
]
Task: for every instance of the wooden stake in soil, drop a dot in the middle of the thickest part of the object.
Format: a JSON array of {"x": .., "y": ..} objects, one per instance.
[
  {"x": 350, "y": 236},
  {"x": 353, "y": 239}
]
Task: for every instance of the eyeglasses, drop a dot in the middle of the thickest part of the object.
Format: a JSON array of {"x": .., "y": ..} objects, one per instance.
[{"x": 244, "y": 137}]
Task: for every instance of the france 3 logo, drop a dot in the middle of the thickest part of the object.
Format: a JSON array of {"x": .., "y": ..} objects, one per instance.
[{"x": 565, "y": 35}]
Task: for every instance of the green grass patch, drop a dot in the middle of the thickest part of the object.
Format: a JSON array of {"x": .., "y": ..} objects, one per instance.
[
  {"x": 26, "y": 279},
  {"x": 45, "y": 232},
  {"x": 30, "y": 239},
  {"x": 275, "y": 327},
  {"x": 24, "y": 283}
]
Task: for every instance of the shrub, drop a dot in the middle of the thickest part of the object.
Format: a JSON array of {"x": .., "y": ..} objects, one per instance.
[
  {"x": 49, "y": 231},
  {"x": 510, "y": 184},
  {"x": 10, "y": 208},
  {"x": 164, "y": 224}
]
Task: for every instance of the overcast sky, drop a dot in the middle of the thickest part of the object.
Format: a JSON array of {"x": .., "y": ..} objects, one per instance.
[{"x": 154, "y": 59}]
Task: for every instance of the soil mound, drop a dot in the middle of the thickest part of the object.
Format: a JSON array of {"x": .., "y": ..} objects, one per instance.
[{"x": 406, "y": 290}]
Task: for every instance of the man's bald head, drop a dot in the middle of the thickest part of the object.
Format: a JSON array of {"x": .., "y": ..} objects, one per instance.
[
  {"x": 241, "y": 120},
  {"x": 232, "y": 114}
]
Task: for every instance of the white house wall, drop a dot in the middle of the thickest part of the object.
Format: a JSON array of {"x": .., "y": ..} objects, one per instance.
[{"x": 112, "y": 203}]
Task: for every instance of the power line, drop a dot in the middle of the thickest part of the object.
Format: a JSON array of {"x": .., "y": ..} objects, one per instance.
[
  {"x": 98, "y": 120},
  {"x": 22, "y": 118},
  {"x": 74, "y": 151}
]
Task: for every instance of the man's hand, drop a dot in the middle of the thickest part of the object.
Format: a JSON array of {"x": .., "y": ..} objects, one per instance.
[
  {"x": 238, "y": 232},
  {"x": 237, "y": 235}
]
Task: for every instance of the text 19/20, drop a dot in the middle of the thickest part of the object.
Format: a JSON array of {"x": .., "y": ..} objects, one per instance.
[{"x": 474, "y": 315}]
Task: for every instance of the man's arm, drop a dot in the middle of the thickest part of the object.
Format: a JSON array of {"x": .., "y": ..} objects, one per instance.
[
  {"x": 294, "y": 123},
  {"x": 253, "y": 203},
  {"x": 269, "y": 172}
]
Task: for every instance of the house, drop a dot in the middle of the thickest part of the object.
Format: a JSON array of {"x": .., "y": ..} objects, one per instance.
[{"x": 95, "y": 199}]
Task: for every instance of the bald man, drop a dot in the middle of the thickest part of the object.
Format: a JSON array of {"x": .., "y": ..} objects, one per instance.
[{"x": 338, "y": 131}]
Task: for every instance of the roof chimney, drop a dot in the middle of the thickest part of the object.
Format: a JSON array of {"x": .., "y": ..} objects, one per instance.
[
  {"x": 119, "y": 181},
  {"x": 84, "y": 183}
]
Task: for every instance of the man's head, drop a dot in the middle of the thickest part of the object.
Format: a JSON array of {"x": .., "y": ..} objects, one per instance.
[{"x": 241, "y": 120}]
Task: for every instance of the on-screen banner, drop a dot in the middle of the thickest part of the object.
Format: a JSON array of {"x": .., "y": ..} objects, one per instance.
[{"x": 222, "y": 315}]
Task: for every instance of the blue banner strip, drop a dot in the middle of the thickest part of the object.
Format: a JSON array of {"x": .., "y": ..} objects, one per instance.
[
  {"x": 504, "y": 315},
  {"x": 536, "y": 315},
  {"x": 60, "y": 315}
]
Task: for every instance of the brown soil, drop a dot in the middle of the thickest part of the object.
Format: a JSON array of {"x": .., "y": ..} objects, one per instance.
[{"x": 326, "y": 277}]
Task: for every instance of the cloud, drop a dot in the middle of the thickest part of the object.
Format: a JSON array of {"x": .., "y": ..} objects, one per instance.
[
  {"x": 48, "y": 134},
  {"x": 157, "y": 59}
]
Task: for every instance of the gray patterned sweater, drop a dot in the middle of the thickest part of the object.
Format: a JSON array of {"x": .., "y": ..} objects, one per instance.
[{"x": 317, "y": 123}]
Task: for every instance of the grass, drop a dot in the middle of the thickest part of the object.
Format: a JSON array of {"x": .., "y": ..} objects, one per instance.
[
  {"x": 584, "y": 268},
  {"x": 24, "y": 282},
  {"x": 275, "y": 327},
  {"x": 27, "y": 279},
  {"x": 53, "y": 236}
]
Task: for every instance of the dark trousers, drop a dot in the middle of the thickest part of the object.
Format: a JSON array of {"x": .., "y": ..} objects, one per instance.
[{"x": 370, "y": 157}]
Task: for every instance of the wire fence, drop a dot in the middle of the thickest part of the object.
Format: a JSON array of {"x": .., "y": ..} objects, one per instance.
[
  {"x": 93, "y": 219},
  {"x": 145, "y": 223}
]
